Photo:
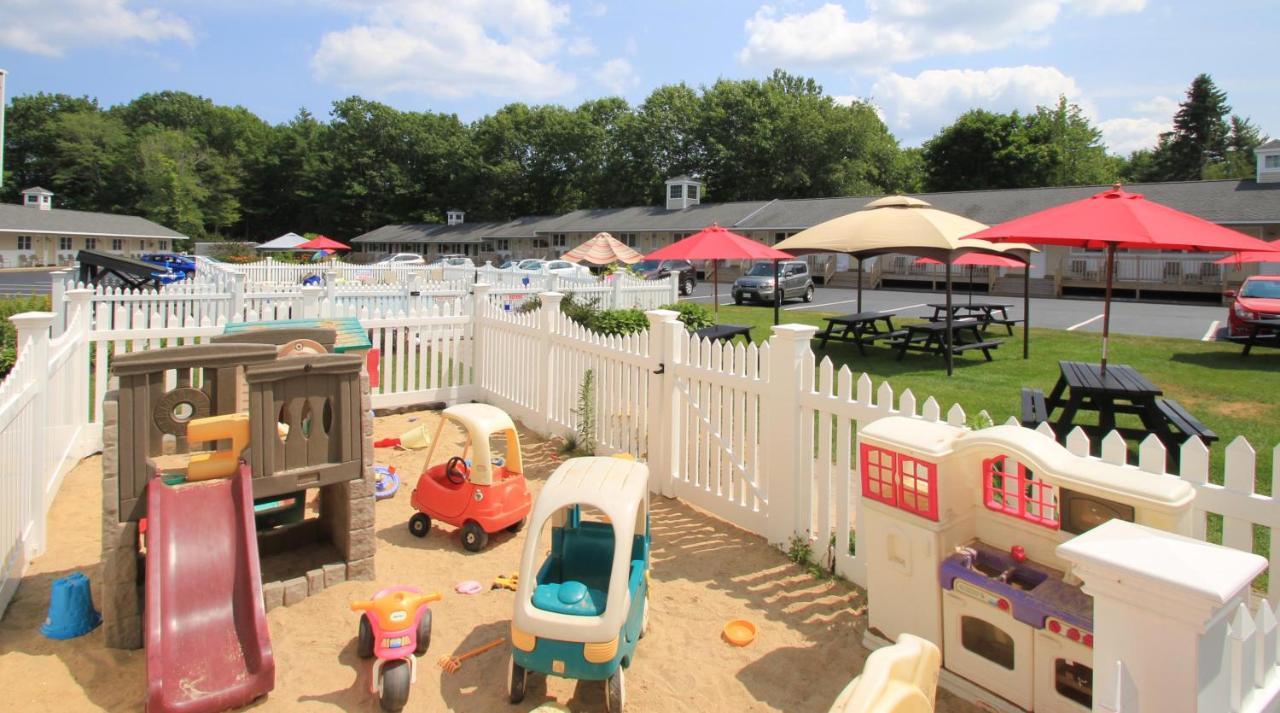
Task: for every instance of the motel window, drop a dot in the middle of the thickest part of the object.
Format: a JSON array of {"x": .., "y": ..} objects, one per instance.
[
  {"x": 779, "y": 237},
  {"x": 680, "y": 236},
  {"x": 90, "y": 243},
  {"x": 163, "y": 245},
  {"x": 64, "y": 243},
  {"x": 628, "y": 239},
  {"x": 117, "y": 244},
  {"x": 1271, "y": 162},
  {"x": 558, "y": 240},
  {"x": 502, "y": 244},
  {"x": 674, "y": 192},
  {"x": 1018, "y": 493},
  {"x": 24, "y": 242},
  {"x": 899, "y": 480}
]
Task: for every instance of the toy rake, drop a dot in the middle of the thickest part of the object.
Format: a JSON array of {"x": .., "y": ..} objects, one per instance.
[{"x": 451, "y": 664}]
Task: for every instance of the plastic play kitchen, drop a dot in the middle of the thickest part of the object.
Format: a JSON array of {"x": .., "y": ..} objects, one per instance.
[
  {"x": 580, "y": 613},
  {"x": 483, "y": 495},
  {"x": 962, "y": 530},
  {"x": 395, "y": 628}
]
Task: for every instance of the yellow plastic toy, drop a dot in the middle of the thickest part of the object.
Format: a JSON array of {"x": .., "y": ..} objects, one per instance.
[
  {"x": 217, "y": 464},
  {"x": 902, "y": 678}
]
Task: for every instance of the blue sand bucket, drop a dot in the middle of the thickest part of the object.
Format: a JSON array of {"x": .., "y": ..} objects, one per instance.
[{"x": 71, "y": 611}]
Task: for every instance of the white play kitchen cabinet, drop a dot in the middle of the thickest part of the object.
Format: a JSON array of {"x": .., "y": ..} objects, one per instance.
[{"x": 961, "y": 530}]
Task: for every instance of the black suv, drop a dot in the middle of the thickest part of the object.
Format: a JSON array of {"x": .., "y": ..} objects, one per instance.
[{"x": 658, "y": 269}]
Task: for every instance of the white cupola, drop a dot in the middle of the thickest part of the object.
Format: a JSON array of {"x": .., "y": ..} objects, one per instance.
[
  {"x": 1268, "y": 161},
  {"x": 454, "y": 217},
  {"x": 37, "y": 197},
  {"x": 682, "y": 192}
]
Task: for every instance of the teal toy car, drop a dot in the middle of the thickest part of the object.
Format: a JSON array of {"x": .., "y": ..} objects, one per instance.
[{"x": 580, "y": 613}]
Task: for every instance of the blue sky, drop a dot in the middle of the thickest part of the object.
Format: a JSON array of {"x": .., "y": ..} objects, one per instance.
[{"x": 922, "y": 62}]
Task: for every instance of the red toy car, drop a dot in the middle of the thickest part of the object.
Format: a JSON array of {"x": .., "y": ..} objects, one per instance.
[
  {"x": 484, "y": 495},
  {"x": 1258, "y": 298}
]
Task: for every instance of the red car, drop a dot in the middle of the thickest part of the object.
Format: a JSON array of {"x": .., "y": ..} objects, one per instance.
[{"x": 1258, "y": 298}]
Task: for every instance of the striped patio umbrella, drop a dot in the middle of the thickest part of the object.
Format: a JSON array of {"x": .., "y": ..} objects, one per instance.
[{"x": 603, "y": 249}]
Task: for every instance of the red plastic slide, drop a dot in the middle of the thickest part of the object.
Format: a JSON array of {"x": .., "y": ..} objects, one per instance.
[{"x": 207, "y": 643}]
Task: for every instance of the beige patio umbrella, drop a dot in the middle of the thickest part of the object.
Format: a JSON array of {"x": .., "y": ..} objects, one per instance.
[
  {"x": 603, "y": 249},
  {"x": 898, "y": 224}
]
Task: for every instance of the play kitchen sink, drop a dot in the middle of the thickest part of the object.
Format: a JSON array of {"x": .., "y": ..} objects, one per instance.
[{"x": 1028, "y": 590}]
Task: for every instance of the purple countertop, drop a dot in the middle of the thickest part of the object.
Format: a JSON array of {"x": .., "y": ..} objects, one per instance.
[{"x": 1051, "y": 597}]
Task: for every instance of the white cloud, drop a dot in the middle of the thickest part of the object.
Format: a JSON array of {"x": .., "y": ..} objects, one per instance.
[
  {"x": 918, "y": 106},
  {"x": 449, "y": 48},
  {"x": 1157, "y": 107},
  {"x": 1126, "y": 135},
  {"x": 582, "y": 47},
  {"x": 903, "y": 30},
  {"x": 51, "y": 27},
  {"x": 595, "y": 9},
  {"x": 617, "y": 75}
]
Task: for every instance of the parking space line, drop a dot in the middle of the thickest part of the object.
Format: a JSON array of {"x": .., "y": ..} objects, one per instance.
[
  {"x": 825, "y": 304},
  {"x": 1090, "y": 320},
  {"x": 1211, "y": 332},
  {"x": 899, "y": 309}
]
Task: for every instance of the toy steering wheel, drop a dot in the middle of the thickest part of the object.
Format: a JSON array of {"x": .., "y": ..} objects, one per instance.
[{"x": 456, "y": 470}]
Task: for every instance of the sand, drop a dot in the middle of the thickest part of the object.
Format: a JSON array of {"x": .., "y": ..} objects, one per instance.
[{"x": 705, "y": 572}]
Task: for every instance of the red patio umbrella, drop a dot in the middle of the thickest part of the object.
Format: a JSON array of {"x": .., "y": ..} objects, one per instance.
[
  {"x": 716, "y": 243},
  {"x": 1241, "y": 258},
  {"x": 321, "y": 242},
  {"x": 972, "y": 260},
  {"x": 1116, "y": 219}
]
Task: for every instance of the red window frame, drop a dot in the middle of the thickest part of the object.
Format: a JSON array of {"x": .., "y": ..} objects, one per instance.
[
  {"x": 897, "y": 479},
  {"x": 1019, "y": 495}
]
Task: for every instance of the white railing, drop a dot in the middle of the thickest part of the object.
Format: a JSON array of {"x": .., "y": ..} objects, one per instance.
[{"x": 1151, "y": 268}]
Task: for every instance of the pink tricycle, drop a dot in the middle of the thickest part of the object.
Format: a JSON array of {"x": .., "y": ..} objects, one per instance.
[{"x": 395, "y": 627}]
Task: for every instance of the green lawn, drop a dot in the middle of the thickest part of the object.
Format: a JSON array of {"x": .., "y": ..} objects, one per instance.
[{"x": 1233, "y": 395}]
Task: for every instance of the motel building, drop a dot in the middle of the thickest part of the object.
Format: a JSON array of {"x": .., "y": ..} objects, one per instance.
[{"x": 36, "y": 234}]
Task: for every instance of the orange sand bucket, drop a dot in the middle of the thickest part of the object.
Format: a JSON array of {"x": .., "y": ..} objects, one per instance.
[{"x": 739, "y": 632}]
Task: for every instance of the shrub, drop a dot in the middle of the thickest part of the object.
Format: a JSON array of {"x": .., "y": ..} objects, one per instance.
[
  {"x": 10, "y": 306},
  {"x": 694, "y": 316},
  {"x": 619, "y": 322},
  {"x": 582, "y": 311}
]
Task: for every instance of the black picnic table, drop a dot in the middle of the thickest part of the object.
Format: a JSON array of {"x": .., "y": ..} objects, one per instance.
[
  {"x": 931, "y": 337},
  {"x": 724, "y": 331},
  {"x": 985, "y": 311},
  {"x": 859, "y": 328},
  {"x": 1255, "y": 338},
  {"x": 1081, "y": 387}
]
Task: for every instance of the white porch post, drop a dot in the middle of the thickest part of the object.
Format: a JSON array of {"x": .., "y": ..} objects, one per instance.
[{"x": 788, "y": 347}]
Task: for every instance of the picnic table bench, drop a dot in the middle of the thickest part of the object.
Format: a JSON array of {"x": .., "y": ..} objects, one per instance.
[
  {"x": 930, "y": 337},
  {"x": 984, "y": 311},
  {"x": 1255, "y": 337},
  {"x": 859, "y": 328},
  {"x": 724, "y": 332}
]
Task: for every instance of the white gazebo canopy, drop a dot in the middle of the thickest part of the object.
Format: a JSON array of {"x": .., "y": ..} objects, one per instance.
[{"x": 288, "y": 241}]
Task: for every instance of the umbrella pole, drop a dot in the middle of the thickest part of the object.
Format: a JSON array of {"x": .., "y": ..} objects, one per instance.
[
  {"x": 715, "y": 286},
  {"x": 777, "y": 291},
  {"x": 1106, "y": 306},
  {"x": 971, "y": 285},
  {"x": 859, "y": 284},
  {"x": 1026, "y": 306},
  {"x": 948, "y": 339}
]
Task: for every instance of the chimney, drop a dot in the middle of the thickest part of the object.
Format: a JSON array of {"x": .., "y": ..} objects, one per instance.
[
  {"x": 454, "y": 217},
  {"x": 37, "y": 197},
  {"x": 682, "y": 192},
  {"x": 1268, "y": 156}
]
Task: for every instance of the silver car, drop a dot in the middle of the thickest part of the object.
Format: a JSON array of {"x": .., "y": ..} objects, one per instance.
[{"x": 757, "y": 285}]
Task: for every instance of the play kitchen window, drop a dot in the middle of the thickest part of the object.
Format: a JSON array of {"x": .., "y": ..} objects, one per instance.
[
  {"x": 899, "y": 480},
  {"x": 1017, "y": 492}
]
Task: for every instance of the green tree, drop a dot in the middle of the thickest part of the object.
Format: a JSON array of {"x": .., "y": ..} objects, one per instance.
[
  {"x": 31, "y": 140},
  {"x": 980, "y": 150},
  {"x": 1199, "y": 135},
  {"x": 169, "y": 180},
  {"x": 1242, "y": 138}
]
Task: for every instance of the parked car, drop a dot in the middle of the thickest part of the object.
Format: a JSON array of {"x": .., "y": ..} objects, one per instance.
[
  {"x": 658, "y": 269},
  {"x": 181, "y": 264},
  {"x": 757, "y": 285},
  {"x": 1257, "y": 298},
  {"x": 453, "y": 261},
  {"x": 403, "y": 259}
]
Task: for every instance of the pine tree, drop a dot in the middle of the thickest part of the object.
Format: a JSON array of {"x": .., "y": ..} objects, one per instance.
[{"x": 1199, "y": 136}]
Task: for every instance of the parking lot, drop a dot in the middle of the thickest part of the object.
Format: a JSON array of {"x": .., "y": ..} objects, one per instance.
[{"x": 1202, "y": 322}]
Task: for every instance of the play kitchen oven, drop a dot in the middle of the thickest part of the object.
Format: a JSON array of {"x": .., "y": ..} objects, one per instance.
[{"x": 1018, "y": 629}]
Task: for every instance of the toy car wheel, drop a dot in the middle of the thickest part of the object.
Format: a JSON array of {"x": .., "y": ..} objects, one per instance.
[
  {"x": 424, "y": 633},
  {"x": 395, "y": 685},
  {"x": 517, "y": 679},
  {"x": 644, "y": 617},
  {"x": 808, "y": 294},
  {"x": 474, "y": 538},
  {"x": 364, "y": 642},
  {"x": 615, "y": 692},
  {"x": 420, "y": 524},
  {"x": 516, "y": 527},
  {"x": 686, "y": 287}
]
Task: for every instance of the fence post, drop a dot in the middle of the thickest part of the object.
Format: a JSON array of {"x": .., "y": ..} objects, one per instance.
[
  {"x": 58, "y": 286},
  {"x": 80, "y": 302},
  {"x": 675, "y": 287},
  {"x": 666, "y": 337},
  {"x": 311, "y": 301},
  {"x": 33, "y": 336},
  {"x": 479, "y": 313},
  {"x": 331, "y": 290},
  {"x": 788, "y": 347},
  {"x": 616, "y": 295},
  {"x": 236, "y": 312},
  {"x": 548, "y": 317}
]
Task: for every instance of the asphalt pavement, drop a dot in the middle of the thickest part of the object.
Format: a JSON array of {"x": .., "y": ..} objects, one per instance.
[
  {"x": 26, "y": 282},
  {"x": 1152, "y": 319}
]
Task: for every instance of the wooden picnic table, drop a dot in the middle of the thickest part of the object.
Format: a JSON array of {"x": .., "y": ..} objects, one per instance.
[
  {"x": 1255, "y": 338},
  {"x": 985, "y": 311},
  {"x": 858, "y": 328},
  {"x": 931, "y": 337},
  {"x": 1081, "y": 387},
  {"x": 724, "y": 332}
]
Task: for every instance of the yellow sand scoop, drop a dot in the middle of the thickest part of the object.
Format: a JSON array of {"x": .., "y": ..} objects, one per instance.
[{"x": 451, "y": 664}]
